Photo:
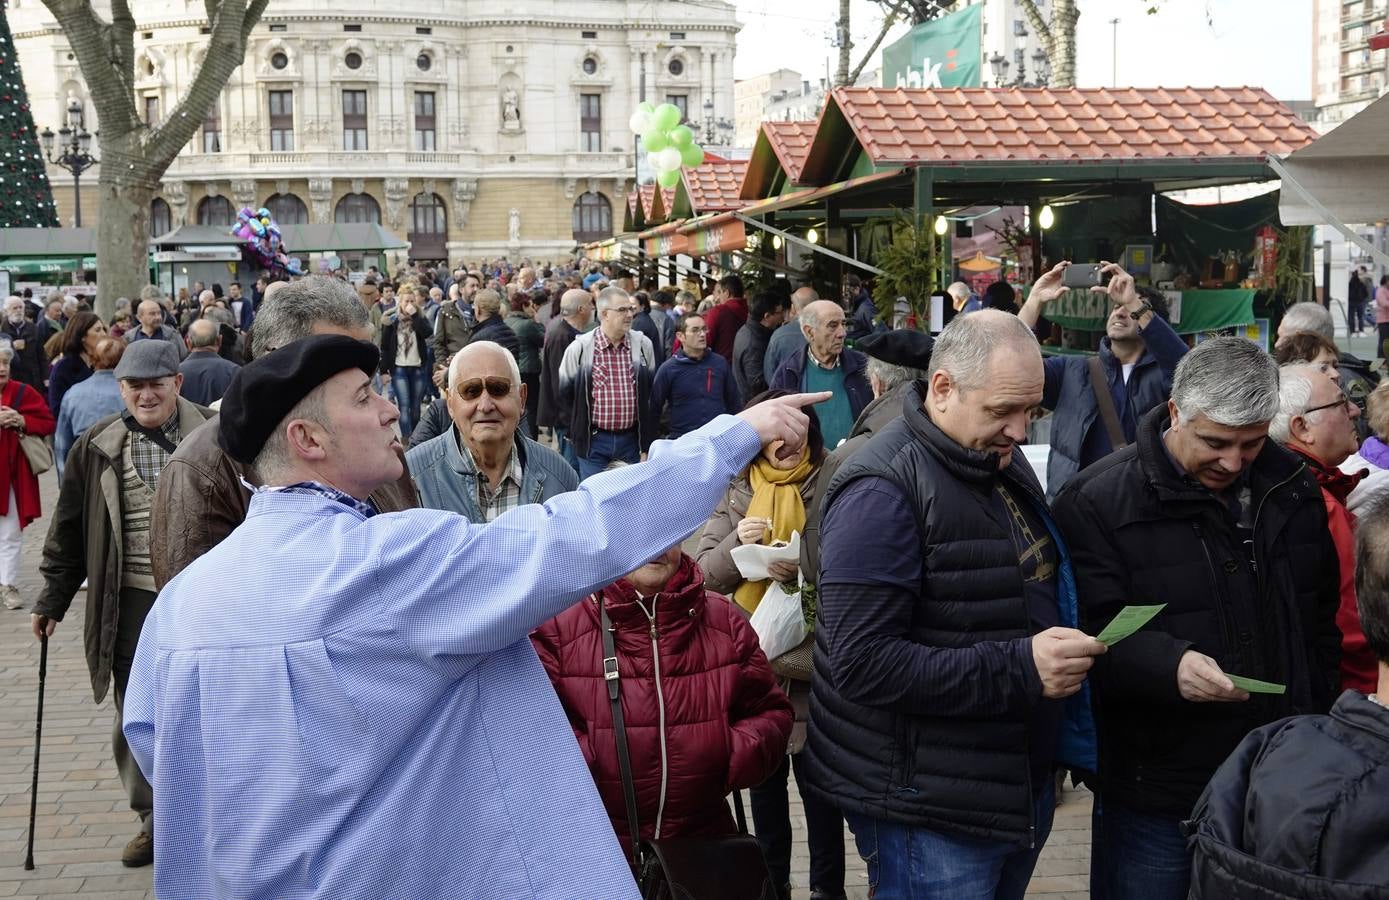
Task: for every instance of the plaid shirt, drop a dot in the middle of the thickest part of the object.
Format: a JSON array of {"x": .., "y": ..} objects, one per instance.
[
  {"x": 614, "y": 385},
  {"x": 507, "y": 496},
  {"x": 149, "y": 457},
  {"x": 316, "y": 487}
]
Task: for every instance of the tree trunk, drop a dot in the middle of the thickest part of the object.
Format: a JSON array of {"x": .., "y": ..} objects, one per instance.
[
  {"x": 1063, "y": 47},
  {"x": 841, "y": 76},
  {"x": 122, "y": 244}
]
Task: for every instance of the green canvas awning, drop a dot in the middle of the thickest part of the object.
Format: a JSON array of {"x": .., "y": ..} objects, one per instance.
[
  {"x": 46, "y": 265},
  {"x": 1199, "y": 310}
]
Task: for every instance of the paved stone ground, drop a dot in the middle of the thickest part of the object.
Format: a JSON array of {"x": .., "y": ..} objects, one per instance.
[{"x": 84, "y": 821}]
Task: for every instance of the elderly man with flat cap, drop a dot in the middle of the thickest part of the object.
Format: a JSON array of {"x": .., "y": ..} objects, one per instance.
[
  {"x": 100, "y": 532},
  {"x": 368, "y": 679}
]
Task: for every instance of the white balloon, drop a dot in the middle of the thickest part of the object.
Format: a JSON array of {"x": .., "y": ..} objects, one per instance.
[
  {"x": 654, "y": 161},
  {"x": 640, "y": 123},
  {"x": 669, "y": 160}
]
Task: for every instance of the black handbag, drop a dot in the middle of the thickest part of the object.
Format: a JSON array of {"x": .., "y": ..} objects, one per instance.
[{"x": 715, "y": 868}]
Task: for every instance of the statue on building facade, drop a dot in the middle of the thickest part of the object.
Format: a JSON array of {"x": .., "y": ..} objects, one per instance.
[
  {"x": 511, "y": 109},
  {"x": 513, "y": 226}
]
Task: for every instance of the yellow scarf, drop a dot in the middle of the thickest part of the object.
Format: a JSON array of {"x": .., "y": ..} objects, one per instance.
[{"x": 776, "y": 495}]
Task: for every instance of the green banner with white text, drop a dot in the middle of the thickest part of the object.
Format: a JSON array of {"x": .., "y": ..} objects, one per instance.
[{"x": 944, "y": 52}]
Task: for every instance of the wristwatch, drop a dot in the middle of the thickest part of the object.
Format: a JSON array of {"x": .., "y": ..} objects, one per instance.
[{"x": 1138, "y": 313}]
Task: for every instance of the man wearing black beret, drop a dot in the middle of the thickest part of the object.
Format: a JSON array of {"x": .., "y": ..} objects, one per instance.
[
  {"x": 369, "y": 676},
  {"x": 895, "y": 360}
]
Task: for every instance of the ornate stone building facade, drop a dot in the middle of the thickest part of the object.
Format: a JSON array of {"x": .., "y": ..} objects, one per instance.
[{"x": 469, "y": 128}]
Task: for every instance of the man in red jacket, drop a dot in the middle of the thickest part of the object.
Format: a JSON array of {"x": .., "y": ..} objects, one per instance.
[
  {"x": 727, "y": 316},
  {"x": 701, "y": 707},
  {"x": 1317, "y": 421}
]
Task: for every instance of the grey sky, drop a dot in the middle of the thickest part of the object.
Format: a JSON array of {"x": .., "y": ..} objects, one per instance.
[{"x": 1260, "y": 43}]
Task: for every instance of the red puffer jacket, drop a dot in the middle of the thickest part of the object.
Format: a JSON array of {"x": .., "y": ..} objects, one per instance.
[{"x": 702, "y": 709}]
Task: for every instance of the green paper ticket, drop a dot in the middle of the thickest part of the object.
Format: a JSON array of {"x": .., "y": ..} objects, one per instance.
[
  {"x": 1129, "y": 620},
  {"x": 1255, "y": 686}
]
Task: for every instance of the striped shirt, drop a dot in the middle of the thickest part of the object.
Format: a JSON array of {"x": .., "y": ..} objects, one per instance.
[{"x": 614, "y": 384}]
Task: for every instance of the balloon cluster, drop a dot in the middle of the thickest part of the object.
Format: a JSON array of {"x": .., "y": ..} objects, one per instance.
[
  {"x": 261, "y": 241},
  {"x": 669, "y": 145}
]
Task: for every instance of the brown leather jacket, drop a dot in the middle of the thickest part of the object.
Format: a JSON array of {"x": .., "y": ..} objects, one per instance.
[
  {"x": 84, "y": 537},
  {"x": 201, "y": 499}
]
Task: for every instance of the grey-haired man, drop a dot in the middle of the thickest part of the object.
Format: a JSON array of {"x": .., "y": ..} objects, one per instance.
[{"x": 1205, "y": 515}]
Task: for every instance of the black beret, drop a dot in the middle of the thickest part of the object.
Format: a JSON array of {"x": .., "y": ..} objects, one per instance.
[
  {"x": 902, "y": 347},
  {"x": 263, "y": 391}
]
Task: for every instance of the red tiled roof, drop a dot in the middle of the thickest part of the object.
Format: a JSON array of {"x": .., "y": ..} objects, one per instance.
[
  {"x": 790, "y": 142},
  {"x": 648, "y": 199},
  {"x": 713, "y": 186},
  {"x": 897, "y": 126}
]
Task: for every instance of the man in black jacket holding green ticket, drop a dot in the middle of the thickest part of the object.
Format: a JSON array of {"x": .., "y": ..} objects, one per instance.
[{"x": 1207, "y": 516}]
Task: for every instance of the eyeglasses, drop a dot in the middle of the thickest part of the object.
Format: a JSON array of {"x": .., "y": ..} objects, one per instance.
[
  {"x": 1344, "y": 401},
  {"x": 623, "y": 310},
  {"x": 496, "y": 386}
]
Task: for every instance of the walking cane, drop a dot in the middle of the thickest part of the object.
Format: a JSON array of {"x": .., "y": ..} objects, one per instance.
[{"x": 38, "y": 738}]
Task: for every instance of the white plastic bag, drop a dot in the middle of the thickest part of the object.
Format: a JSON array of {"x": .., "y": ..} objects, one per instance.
[{"x": 779, "y": 621}]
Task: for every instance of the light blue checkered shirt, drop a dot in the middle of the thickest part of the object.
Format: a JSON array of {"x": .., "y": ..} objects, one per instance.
[{"x": 336, "y": 706}]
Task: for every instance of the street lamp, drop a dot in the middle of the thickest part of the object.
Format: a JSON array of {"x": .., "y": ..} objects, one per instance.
[
  {"x": 73, "y": 146},
  {"x": 708, "y": 120}
]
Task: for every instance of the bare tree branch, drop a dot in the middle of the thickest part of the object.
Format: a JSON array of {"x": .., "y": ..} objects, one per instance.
[
  {"x": 123, "y": 39},
  {"x": 90, "y": 40},
  {"x": 253, "y": 14},
  {"x": 889, "y": 20},
  {"x": 226, "y": 51},
  {"x": 1039, "y": 25}
]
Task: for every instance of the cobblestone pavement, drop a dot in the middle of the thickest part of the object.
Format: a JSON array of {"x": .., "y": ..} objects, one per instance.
[{"x": 84, "y": 821}]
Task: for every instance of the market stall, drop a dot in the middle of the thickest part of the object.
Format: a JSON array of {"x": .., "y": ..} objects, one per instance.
[{"x": 46, "y": 256}]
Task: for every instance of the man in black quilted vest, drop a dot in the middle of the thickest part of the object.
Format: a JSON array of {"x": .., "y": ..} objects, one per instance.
[{"x": 949, "y": 675}]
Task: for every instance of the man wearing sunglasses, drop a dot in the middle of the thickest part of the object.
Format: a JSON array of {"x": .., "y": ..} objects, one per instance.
[
  {"x": 1316, "y": 420},
  {"x": 605, "y": 382},
  {"x": 483, "y": 465}
]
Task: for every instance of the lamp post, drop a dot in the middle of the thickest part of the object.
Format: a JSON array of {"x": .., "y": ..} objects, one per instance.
[
  {"x": 73, "y": 146},
  {"x": 708, "y": 120}
]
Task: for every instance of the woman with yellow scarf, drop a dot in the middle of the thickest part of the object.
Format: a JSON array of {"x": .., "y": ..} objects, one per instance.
[{"x": 765, "y": 505}]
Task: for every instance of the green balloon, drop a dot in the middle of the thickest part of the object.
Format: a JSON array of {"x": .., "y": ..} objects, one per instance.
[
  {"x": 646, "y": 106},
  {"x": 666, "y": 117},
  {"x": 691, "y": 156},
  {"x": 655, "y": 140},
  {"x": 681, "y": 136},
  {"x": 668, "y": 179}
]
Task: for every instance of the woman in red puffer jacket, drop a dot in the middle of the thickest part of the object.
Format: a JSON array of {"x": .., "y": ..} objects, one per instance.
[{"x": 702, "y": 709}]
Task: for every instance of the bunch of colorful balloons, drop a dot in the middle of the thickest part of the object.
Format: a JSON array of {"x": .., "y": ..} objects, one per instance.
[
  {"x": 669, "y": 145},
  {"x": 262, "y": 241}
]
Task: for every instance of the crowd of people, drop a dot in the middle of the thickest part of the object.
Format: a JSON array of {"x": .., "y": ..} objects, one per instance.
[{"x": 408, "y": 614}]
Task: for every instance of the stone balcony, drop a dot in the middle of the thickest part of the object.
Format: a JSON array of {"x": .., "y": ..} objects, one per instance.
[{"x": 397, "y": 163}]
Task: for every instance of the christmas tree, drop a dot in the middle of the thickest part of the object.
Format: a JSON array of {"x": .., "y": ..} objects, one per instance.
[{"x": 26, "y": 199}]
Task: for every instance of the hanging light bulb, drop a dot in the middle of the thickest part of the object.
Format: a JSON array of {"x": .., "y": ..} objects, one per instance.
[
  {"x": 813, "y": 236},
  {"x": 942, "y": 224},
  {"x": 777, "y": 242},
  {"x": 1046, "y": 218}
]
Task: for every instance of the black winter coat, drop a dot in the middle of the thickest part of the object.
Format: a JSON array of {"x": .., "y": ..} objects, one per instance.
[
  {"x": 420, "y": 325},
  {"x": 495, "y": 329},
  {"x": 1298, "y": 811},
  {"x": 961, "y": 763},
  {"x": 553, "y": 411},
  {"x": 1142, "y": 534}
]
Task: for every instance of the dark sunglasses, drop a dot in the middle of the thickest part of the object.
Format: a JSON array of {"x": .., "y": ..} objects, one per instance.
[{"x": 495, "y": 385}]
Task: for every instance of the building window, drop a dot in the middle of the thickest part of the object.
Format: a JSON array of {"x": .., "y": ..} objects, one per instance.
[
  {"x": 428, "y": 215},
  {"x": 590, "y": 122},
  {"x": 423, "y": 29},
  {"x": 590, "y": 65},
  {"x": 287, "y": 209},
  {"x": 352, "y": 28},
  {"x": 593, "y": 218},
  {"x": 677, "y": 36},
  {"x": 215, "y": 211},
  {"x": 353, "y": 60},
  {"x": 279, "y": 26},
  {"x": 682, "y": 103},
  {"x": 279, "y": 60},
  {"x": 676, "y": 67},
  {"x": 151, "y": 111},
  {"x": 282, "y": 121},
  {"x": 588, "y": 35},
  {"x": 212, "y": 129},
  {"x": 161, "y": 219},
  {"x": 424, "y": 62},
  {"x": 357, "y": 209},
  {"x": 354, "y": 120},
  {"x": 424, "y": 122}
]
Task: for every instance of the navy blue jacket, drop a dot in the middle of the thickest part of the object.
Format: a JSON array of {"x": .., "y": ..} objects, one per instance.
[
  {"x": 205, "y": 376},
  {"x": 791, "y": 377},
  {"x": 1078, "y": 435},
  {"x": 697, "y": 391}
]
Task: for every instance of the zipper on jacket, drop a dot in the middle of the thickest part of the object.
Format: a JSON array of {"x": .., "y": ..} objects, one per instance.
[
  {"x": 708, "y": 381},
  {"x": 1226, "y": 625},
  {"x": 660, "y": 712},
  {"x": 1254, "y": 532}
]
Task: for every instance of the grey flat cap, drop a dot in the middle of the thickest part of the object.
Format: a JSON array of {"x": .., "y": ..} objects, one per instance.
[{"x": 147, "y": 359}]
